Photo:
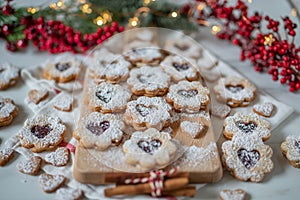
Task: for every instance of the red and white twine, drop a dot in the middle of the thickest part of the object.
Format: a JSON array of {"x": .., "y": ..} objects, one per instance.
[{"x": 155, "y": 180}]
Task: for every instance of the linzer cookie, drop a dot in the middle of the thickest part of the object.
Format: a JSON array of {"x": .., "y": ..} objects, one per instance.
[
  {"x": 247, "y": 158},
  {"x": 184, "y": 47},
  {"x": 148, "y": 81},
  {"x": 50, "y": 183},
  {"x": 41, "y": 133},
  {"x": 6, "y": 155},
  {"x": 179, "y": 68},
  {"x": 100, "y": 131},
  {"x": 146, "y": 55},
  {"x": 146, "y": 112},
  {"x": 188, "y": 97},
  {"x": 290, "y": 148},
  {"x": 194, "y": 129},
  {"x": 149, "y": 149},
  {"x": 62, "y": 69},
  {"x": 235, "y": 91},
  {"x": 107, "y": 97},
  {"x": 244, "y": 124},
  {"x": 265, "y": 109},
  {"x": 30, "y": 166},
  {"x": 59, "y": 157},
  {"x": 9, "y": 75},
  {"x": 237, "y": 194},
  {"x": 115, "y": 71},
  {"x": 8, "y": 111}
]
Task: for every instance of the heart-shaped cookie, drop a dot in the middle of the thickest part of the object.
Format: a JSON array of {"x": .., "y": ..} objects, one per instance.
[
  {"x": 188, "y": 93},
  {"x": 98, "y": 128},
  {"x": 105, "y": 95},
  {"x": 58, "y": 158},
  {"x": 144, "y": 110},
  {"x": 248, "y": 158},
  {"x": 246, "y": 127},
  {"x": 62, "y": 66},
  {"x": 40, "y": 131},
  {"x": 30, "y": 166},
  {"x": 265, "y": 109},
  {"x": 36, "y": 96},
  {"x": 6, "y": 155},
  {"x": 149, "y": 146},
  {"x": 50, "y": 183},
  {"x": 68, "y": 194}
]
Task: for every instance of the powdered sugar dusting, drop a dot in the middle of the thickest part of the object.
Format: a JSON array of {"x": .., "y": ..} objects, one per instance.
[
  {"x": 148, "y": 79},
  {"x": 30, "y": 166},
  {"x": 50, "y": 183},
  {"x": 58, "y": 158},
  {"x": 153, "y": 112},
  {"x": 264, "y": 109},
  {"x": 8, "y": 73},
  {"x": 237, "y": 194},
  {"x": 6, "y": 107},
  {"x": 63, "y": 102},
  {"x": 68, "y": 194},
  {"x": 179, "y": 68},
  {"x": 292, "y": 145},
  {"x": 192, "y": 128}
]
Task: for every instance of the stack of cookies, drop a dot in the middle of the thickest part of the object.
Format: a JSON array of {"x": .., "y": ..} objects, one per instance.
[{"x": 141, "y": 109}]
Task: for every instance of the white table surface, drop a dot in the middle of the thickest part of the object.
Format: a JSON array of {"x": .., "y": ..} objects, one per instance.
[{"x": 282, "y": 182}]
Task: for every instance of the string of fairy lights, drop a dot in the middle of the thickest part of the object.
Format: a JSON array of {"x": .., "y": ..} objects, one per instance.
[{"x": 106, "y": 17}]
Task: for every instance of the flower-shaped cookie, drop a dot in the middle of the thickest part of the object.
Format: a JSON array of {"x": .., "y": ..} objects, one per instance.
[
  {"x": 62, "y": 69},
  {"x": 247, "y": 158},
  {"x": 100, "y": 131},
  {"x": 146, "y": 112},
  {"x": 145, "y": 55},
  {"x": 179, "y": 68},
  {"x": 42, "y": 132},
  {"x": 149, "y": 149},
  {"x": 115, "y": 71},
  {"x": 235, "y": 91},
  {"x": 107, "y": 97},
  {"x": 148, "y": 81},
  {"x": 246, "y": 124},
  {"x": 291, "y": 150},
  {"x": 188, "y": 97},
  {"x": 185, "y": 47},
  {"x": 9, "y": 75},
  {"x": 8, "y": 111}
]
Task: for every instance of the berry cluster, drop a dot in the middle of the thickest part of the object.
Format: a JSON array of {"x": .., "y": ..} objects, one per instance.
[
  {"x": 267, "y": 51},
  {"x": 56, "y": 37},
  {"x": 50, "y": 35}
]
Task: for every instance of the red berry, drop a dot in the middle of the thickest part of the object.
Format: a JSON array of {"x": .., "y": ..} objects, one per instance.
[
  {"x": 22, "y": 43},
  {"x": 121, "y": 29},
  {"x": 6, "y": 29},
  {"x": 11, "y": 46},
  {"x": 7, "y": 10},
  {"x": 114, "y": 24}
]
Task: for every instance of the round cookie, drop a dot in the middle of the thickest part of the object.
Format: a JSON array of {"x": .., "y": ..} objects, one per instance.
[
  {"x": 179, "y": 68},
  {"x": 290, "y": 148},
  {"x": 149, "y": 149},
  {"x": 235, "y": 91},
  {"x": 247, "y": 158},
  {"x": 62, "y": 69},
  {"x": 100, "y": 131},
  {"x": 148, "y": 81},
  {"x": 107, "y": 97},
  {"x": 9, "y": 75},
  {"x": 8, "y": 111},
  {"x": 188, "y": 97},
  {"x": 41, "y": 133},
  {"x": 146, "y": 112},
  {"x": 244, "y": 124}
]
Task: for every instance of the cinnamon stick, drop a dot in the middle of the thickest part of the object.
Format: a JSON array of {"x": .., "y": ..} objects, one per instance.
[{"x": 144, "y": 188}]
